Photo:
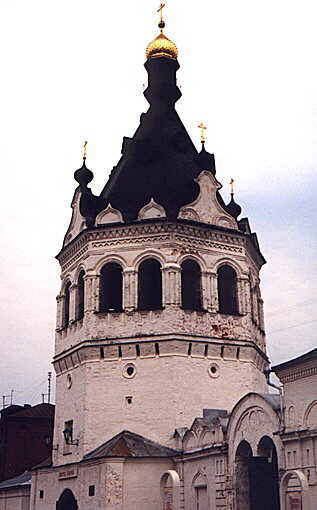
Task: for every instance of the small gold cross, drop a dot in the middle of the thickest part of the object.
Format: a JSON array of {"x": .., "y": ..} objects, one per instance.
[
  {"x": 202, "y": 127},
  {"x": 231, "y": 186},
  {"x": 160, "y": 10},
  {"x": 85, "y": 150}
]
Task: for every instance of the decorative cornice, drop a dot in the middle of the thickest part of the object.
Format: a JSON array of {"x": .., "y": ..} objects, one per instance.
[
  {"x": 201, "y": 236},
  {"x": 295, "y": 374}
]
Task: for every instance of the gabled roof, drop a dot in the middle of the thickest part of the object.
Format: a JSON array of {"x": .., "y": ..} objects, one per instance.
[
  {"x": 24, "y": 479},
  {"x": 38, "y": 411},
  {"x": 129, "y": 444},
  {"x": 308, "y": 356}
]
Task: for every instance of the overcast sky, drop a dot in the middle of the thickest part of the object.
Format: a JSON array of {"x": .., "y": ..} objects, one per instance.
[{"x": 72, "y": 70}]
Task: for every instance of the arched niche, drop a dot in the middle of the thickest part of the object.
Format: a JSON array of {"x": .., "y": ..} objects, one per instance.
[
  {"x": 170, "y": 490},
  {"x": 310, "y": 418},
  {"x": 67, "y": 501},
  {"x": 294, "y": 490},
  {"x": 200, "y": 492}
]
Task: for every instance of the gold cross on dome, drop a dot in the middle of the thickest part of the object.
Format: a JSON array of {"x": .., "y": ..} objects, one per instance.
[
  {"x": 231, "y": 186},
  {"x": 85, "y": 150},
  {"x": 160, "y": 10},
  {"x": 202, "y": 127}
]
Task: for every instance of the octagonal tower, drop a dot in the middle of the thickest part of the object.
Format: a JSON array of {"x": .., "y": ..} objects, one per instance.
[{"x": 160, "y": 313}]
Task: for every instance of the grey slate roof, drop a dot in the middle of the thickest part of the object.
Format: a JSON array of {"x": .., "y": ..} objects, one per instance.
[
  {"x": 24, "y": 479},
  {"x": 129, "y": 444}
]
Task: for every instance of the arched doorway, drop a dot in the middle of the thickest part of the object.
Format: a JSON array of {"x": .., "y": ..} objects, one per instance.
[
  {"x": 267, "y": 466},
  {"x": 67, "y": 501},
  {"x": 257, "y": 485},
  {"x": 242, "y": 460}
]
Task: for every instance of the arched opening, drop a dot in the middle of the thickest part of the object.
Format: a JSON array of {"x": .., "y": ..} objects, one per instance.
[
  {"x": 264, "y": 476},
  {"x": 65, "y": 320},
  {"x": 80, "y": 305},
  {"x": 150, "y": 285},
  {"x": 67, "y": 501},
  {"x": 201, "y": 501},
  {"x": 111, "y": 288},
  {"x": 227, "y": 290},
  {"x": 191, "y": 285},
  {"x": 170, "y": 490},
  {"x": 242, "y": 459},
  {"x": 295, "y": 491}
]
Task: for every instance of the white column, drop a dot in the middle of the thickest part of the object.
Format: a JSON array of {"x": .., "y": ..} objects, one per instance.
[
  {"x": 130, "y": 289},
  {"x": 90, "y": 289},
  {"x": 72, "y": 302},
  {"x": 242, "y": 293},
  {"x": 214, "y": 304},
  {"x": 206, "y": 289},
  {"x": 59, "y": 311},
  {"x": 171, "y": 282}
]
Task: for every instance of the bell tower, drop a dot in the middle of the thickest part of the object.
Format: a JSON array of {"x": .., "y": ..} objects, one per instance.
[{"x": 160, "y": 313}]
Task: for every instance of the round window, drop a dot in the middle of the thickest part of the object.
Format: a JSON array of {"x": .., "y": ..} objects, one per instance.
[
  {"x": 69, "y": 381},
  {"x": 213, "y": 370},
  {"x": 129, "y": 371}
]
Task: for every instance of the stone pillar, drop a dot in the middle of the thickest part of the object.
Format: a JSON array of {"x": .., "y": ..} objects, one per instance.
[
  {"x": 59, "y": 311},
  {"x": 130, "y": 301},
  {"x": 254, "y": 296},
  {"x": 91, "y": 280},
  {"x": 214, "y": 303},
  {"x": 206, "y": 289},
  {"x": 261, "y": 314},
  {"x": 171, "y": 282},
  {"x": 243, "y": 290},
  {"x": 72, "y": 302}
]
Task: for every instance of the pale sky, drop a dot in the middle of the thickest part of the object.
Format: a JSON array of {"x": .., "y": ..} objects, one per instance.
[{"x": 72, "y": 70}]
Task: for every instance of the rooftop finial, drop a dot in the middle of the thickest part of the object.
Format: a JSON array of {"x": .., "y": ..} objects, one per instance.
[
  {"x": 85, "y": 150},
  {"x": 203, "y": 128},
  {"x": 231, "y": 186},
  {"x": 161, "y": 23}
]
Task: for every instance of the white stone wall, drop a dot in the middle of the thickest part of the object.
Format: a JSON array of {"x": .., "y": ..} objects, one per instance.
[
  {"x": 15, "y": 498},
  {"x": 120, "y": 484}
]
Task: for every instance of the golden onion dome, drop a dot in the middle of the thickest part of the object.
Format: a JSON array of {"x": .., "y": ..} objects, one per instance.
[{"x": 161, "y": 46}]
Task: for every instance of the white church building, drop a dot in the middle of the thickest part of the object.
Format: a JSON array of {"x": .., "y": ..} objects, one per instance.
[{"x": 162, "y": 377}]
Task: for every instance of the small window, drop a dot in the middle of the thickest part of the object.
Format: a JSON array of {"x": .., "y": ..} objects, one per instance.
[
  {"x": 91, "y": 490},
  {"x": 227, "y": 290},
  {"x": 150, "y": 285},
  {"x": 68, "y": 432},
  {"x": 111, "y": 288},
  {"x": 66, "y": 305},
  {"x": 41, "y": 494},
  {"x": 129, "y": 371},
  {"x": 80, "y": 305},
  {"x": 191, "y": 285}
]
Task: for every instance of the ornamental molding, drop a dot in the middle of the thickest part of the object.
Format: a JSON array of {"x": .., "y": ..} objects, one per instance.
[
  {"x": 199, "y": 236},
  {"x": 297, "y": 374}
]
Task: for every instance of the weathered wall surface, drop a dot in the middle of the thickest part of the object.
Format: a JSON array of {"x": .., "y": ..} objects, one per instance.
[{"x": 15, "y": 499}]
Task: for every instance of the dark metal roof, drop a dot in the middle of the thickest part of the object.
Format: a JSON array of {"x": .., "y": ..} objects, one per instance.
[
  {"x": 129, "y": 444},
  {"x": 24, "y": 479},
  {"x": 311, "y": 355}
]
